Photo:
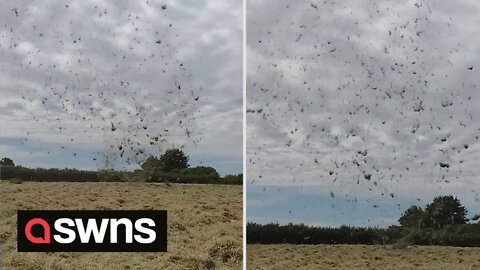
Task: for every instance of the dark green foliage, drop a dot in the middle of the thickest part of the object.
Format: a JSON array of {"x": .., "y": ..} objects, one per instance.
[
  {"x": 14, "y": 181},
  {"x": 175, "y": 177},
  {"x": 150, "y": 164},
  {"x": 233, "y": 179},
  {"x": 303, "y": 234},
  {"x": 48, "y": 175},
  {"x": 112, "y": 176},
  {"x": 171, "y": 167},
  {"x": 6, "y": 162},
  {"x": 465, "y": 235},
  {"x": 195, "y": 175},
  {"x": 199, "y": 171},
  {"x": 443, "y": 211},
  {"x": 442, "y": 223},
  {"x": 173, "y": 159},
  {"x": 413, "y": 217}
]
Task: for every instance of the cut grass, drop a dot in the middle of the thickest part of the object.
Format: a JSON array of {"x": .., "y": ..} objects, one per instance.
[
  {"x": 204, "y": 232},
  {"x": 360, "y": 257}
]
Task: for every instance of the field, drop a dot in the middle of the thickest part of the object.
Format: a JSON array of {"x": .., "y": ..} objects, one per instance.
[
  {"x": 360, "y": 257},
  {"x": 204, "y": 223}
]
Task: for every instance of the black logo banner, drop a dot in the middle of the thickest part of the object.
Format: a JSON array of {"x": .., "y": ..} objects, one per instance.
[{"x": 92, "y": 231}]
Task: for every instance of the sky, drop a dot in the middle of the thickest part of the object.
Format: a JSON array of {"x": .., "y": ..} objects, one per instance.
[
  {"x": 358, "y": 109},
  {"x": 104, "y": 84}
]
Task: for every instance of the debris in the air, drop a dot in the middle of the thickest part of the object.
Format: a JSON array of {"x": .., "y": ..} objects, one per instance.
[
  {"x": 374, "y": 110},
  {"x": 127, "y": 96}
]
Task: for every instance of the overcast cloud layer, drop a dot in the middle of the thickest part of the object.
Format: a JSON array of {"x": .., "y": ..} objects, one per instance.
[
  {"x": 120, "y": 80},
  {"x": 373, "y": 101}
]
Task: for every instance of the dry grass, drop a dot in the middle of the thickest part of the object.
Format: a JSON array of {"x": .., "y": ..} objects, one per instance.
[
  {"x": 360, "y": 257},
  {"x": 204, "y": 232}
]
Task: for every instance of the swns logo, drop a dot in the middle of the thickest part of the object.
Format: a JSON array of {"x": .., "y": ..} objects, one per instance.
[{"x": 92, "y": 231}]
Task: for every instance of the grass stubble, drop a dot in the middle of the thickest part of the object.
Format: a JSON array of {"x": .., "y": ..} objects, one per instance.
[
  {"x": 362, "y": 257},
  {"x": 204, "y": 223}
]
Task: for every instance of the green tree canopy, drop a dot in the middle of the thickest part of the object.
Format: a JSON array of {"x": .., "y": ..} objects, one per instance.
[
  {"x": 173, "y": 159},
  {"x": 6, "y": 162},
  {"x": 201, "y": 171},
  {"x": 445, "y": 210},
  {"x": 150, "y": 164},
  {"x": 413, "y": 217}
]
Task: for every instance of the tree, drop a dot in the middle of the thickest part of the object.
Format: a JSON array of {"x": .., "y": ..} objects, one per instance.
[
  {"x": 233, "y": 179},
  {"x": 173, "y": 159},
  {"x": 7, "y": 162},
  {"x": 413, "y": 217},
  {"x": 445, "y": 210},
  {"x": 201, "y": 171},
  {"x": 150, "y": 164}
]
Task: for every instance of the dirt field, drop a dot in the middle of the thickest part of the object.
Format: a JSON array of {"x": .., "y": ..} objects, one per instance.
[
  {"x": 360, "y": 257},
  {"x": 204, "y": 224}
]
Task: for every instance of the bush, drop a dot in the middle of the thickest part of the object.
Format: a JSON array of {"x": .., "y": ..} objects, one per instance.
[
  {"x": 111, "y": 176},
  {"x": 466, "y": 235},
  {"x": 14, "y": 181},
  {"x": 48, "y": 175},
  {"x": 303, "y": 234},
  {"x": 195, "y": 175},
  {"x": 233, "y": 179},
  {"x": 177, "y": 177},
  {"x": 201, "y": 171}
]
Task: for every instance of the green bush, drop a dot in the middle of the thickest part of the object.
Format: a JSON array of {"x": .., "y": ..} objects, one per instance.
[
  {"x": 233, "y": 179},
  {"x": 303, "y": 234},
  {"x": 466, "y": 235},
  {"x": 14, "y": 181},
  {"x": 48, "y": 175},
  {"x": 202, "y": 171},
  {"x": 111, "y": 176},
  {"x": 195, "y": 175},
  {"x": 176, "y": 177}
]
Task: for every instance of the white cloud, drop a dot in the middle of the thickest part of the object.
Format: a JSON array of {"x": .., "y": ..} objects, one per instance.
[
  {"x": 327, "y": 83},
  {"x": 77, "y": 68}
]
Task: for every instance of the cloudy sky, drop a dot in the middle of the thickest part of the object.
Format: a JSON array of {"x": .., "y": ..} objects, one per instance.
[
  {"x": 358, "y": 109},
  {"x": 100, "y": 84}
]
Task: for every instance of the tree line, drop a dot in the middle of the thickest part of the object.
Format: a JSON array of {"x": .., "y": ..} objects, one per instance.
[
  {"x": 442, "y": 222},
  {"x": 170, "y": 167}
]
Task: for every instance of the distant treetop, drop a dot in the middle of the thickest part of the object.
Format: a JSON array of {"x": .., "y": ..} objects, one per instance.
[{"x": 6, "y": 162}]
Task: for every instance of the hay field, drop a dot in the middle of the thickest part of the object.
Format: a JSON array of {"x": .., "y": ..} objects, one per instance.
[
  {"x": 204, "y": 224},
  {"x": 361, "y": 257}
]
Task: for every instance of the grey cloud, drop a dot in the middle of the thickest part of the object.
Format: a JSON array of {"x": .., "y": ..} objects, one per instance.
[
  {"x": 328, "y": 81},
  {"x": 154, "y": 71}
]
